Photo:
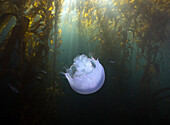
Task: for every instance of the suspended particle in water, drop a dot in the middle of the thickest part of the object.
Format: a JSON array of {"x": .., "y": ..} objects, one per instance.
[{"x": 86, "y": 75}]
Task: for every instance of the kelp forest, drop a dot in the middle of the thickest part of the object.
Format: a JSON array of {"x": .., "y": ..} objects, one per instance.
[{"x": 40, "y": 38}]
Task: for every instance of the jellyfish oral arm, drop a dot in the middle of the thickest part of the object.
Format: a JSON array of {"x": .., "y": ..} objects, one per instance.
[{"x": 88, "y": 82}]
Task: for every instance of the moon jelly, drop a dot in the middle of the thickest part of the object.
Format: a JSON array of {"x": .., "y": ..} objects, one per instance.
[{"x": 86, "y": 75}]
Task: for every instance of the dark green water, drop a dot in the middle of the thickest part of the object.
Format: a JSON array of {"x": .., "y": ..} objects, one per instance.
[
  {"x": 113, "y": 103},
  {"x": 121, "y": 100}
]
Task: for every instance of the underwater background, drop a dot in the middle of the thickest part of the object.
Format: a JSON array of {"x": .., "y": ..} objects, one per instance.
[{"x": 40, "y": 38}]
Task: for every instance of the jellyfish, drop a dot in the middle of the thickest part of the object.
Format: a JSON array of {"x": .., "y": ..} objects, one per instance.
[{"x": 86, "y": 75}]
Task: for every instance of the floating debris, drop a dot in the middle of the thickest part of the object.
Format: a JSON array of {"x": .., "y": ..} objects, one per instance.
[
  {"x": 38, "y": 77},
  {"x": 44, "y": 72},
  {"x": 13, "y": 89},
  {"x": 112, "y": 61}
]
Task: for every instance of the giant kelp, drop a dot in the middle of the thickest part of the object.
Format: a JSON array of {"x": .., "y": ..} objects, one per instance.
[
  {"x": 105, "y": 23},
  {"x": 130, "y": 32},
  {"x": 29, "y": 40},
  {"x": 125, "y": 26},
  {"x": 151, "y": 33},
  {"x": 133, "y": 33}
]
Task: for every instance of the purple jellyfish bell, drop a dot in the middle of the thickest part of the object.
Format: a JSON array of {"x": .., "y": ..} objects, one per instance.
[{"x": 86, "y": 75}]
